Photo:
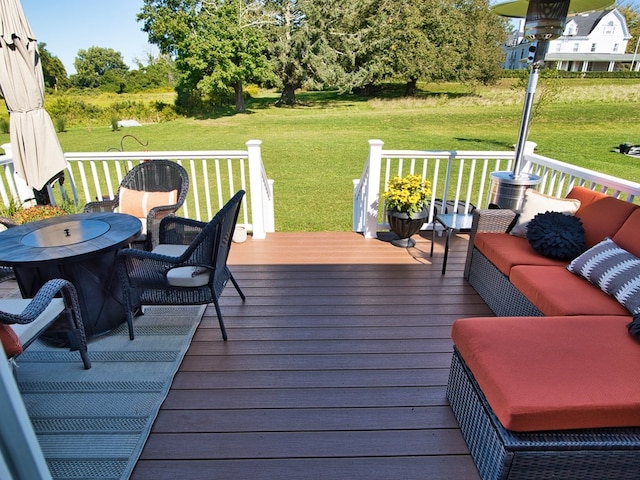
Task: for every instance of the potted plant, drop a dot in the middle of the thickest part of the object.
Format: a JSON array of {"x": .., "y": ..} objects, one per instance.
[{"x": 405, "y": 200}]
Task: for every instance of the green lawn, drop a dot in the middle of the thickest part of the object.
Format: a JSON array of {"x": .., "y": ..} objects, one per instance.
[{"x": 314, "y": 151}]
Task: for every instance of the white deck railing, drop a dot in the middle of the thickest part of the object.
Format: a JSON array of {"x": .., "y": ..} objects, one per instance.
[
  {"x": 214, "y": 176},
  {"x": 463, "y": 177}
]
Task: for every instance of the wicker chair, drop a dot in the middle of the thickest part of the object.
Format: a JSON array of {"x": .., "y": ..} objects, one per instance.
[
  {"x": 188, "y": 267},
  {"x": 23, "y": 320},
  {"x": 149, "y": 177}
]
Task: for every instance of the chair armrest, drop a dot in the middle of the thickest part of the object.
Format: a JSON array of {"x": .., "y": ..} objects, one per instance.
[
  {"x": 493, "y": 220},
  {"x": 489, "y": 221},
  {"x": 102, "y": 206},
  {"x": 8, "y": 222},
  {"x": 41, "y": 301}
]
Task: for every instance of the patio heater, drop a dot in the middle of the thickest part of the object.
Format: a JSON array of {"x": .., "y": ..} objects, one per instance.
[{"x": 544, "y": 21}]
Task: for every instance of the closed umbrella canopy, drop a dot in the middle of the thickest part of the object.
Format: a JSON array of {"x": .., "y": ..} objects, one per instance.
[{"x": 37, "y": 155}]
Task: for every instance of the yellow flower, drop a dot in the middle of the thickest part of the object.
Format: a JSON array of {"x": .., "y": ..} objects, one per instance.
[
  {"x": 407, "y": 194},
  {"x": 39, "y": 212}
]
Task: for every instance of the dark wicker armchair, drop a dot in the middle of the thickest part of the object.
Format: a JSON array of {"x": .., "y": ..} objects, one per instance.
[
  {"x": 23, "y": 320},
  {"x": 160, "y": 180},
  {"x": 188, "y": 267}
]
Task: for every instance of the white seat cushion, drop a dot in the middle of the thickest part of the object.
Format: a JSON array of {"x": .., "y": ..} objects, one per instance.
[
  {"x": 29, "y": 331},
  {"x": 188, "y": 277},
  {"x": 182, "y": 276}
]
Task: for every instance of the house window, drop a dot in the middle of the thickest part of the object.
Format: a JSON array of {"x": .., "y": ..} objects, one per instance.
[
  {"x": 609, "y": 28},
  {"x": 616, "y": 46},
  {"x": 593, "y": 47},
  {"x": 570, "y": 30},
  {"x": 576, "y": 47}
]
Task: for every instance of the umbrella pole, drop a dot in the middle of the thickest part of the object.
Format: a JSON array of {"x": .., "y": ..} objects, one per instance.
[{"x": 538, "y": 61}]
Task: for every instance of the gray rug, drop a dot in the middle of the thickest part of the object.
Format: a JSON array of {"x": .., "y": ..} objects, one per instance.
[{"x": 94, "y": 423}]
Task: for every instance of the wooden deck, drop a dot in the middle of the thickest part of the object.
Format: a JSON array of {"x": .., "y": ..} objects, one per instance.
[{"x": 335, "y": 367}]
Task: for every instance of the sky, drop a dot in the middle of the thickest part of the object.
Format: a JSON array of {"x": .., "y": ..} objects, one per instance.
[{"x": 67, "y": 26}]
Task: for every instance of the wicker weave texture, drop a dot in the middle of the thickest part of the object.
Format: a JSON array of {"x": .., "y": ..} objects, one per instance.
[
  {"x": 497, "y": 291},
  {"x": 143, "y": 274},
  {"x": 595, "y": 454},
  {"x": 151, "y": 176},
  {"x": 71, "y": 314}
]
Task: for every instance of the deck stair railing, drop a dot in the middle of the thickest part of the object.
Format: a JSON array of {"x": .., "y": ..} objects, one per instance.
[
  {"x": 214, "y": 176},
  {"x": 463, "y": 178}
]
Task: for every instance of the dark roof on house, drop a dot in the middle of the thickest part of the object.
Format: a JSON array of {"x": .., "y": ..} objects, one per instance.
[{"x": 586, "y": 22}]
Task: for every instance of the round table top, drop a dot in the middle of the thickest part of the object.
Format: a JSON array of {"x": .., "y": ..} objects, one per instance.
[{"x": 69, "y": 237}]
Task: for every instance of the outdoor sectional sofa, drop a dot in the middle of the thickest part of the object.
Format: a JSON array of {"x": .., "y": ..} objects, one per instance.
[{"x": 550, "y": 388}]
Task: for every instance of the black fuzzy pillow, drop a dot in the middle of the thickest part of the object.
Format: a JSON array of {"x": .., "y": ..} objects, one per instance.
[
  {"x": 634, "y": 326},
  {"x": 556, "y": 235}
]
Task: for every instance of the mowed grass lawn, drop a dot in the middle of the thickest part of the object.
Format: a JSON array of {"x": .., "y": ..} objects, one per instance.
[{"x": 314, "y": 151}]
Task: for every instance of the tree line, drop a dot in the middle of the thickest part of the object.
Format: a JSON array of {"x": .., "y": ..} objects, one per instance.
[
  {"x": 212, "y": 50},
  {"x": 225, "y": 45}
]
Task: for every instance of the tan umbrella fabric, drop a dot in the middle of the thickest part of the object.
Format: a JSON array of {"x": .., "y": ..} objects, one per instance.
[{"x": 37, "y": 155}]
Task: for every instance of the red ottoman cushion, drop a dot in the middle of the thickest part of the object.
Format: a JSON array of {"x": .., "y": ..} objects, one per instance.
[{"x": 554, "y": 373}]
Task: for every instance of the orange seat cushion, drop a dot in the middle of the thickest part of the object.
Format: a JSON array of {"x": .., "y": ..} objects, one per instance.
[
  {"x": 557, "y": 291},
  {"x": 506, "y": 251},
  {"x": 554, "y": 373},
  {"x": 10, "y": 341}
]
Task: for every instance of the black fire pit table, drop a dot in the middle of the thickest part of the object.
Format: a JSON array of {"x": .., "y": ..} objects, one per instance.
[{"x": 80, "y": 248}]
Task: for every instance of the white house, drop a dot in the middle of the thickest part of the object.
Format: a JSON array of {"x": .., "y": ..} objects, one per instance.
[{"x": 591, "y": 42}]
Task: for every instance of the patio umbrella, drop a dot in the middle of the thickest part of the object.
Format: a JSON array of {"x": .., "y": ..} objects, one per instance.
[{"x": 37, "y": 155}]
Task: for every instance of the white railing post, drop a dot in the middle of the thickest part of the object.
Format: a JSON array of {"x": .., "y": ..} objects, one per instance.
[
  {"x": 372, "y": 192},
  {"x": 259, "y": 189}
]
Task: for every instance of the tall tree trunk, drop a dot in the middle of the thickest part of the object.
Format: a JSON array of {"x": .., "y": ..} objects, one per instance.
[
  {"x": 288, "y": 96},
  {"x": 239, "y": 91},
  {"x": 411, "y": 88}
]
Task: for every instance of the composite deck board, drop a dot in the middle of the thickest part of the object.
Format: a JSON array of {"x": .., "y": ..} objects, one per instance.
[{"x": 335, "y": 368}]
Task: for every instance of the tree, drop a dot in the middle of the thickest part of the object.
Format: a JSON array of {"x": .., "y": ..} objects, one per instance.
[
  {"x": 55, "y": 75},
  {"x": 298, "y": 44},
  {"x": 631, "y": 14},
  {"x": 217, "y": 46},
  {"x": 100, "y": 67},
  {"x": 428, "y": 40}
]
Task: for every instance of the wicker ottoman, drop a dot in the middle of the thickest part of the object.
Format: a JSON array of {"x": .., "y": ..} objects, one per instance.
[{"x": 572, "y": 454}]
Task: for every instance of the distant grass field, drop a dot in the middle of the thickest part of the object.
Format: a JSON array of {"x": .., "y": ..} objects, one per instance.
[{"x": 315, "y": 150}]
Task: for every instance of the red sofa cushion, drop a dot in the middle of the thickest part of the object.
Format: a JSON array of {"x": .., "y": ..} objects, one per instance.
[
  {"x": 554, "y": 373},
  {"x": 602, "y": 218},
  {"x": 506, "y": 251},
  {"x": 556, "y": 291},
  {"x": 585, "y": 195},
  {"x": 627, "y": 235}
]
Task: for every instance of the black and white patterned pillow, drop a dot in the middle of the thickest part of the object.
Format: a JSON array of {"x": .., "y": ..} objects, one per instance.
[{"x": 614, "y": 270}]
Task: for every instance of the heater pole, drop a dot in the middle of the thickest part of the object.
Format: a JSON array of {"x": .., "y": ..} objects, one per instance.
[{"x": 538, "y": 61}]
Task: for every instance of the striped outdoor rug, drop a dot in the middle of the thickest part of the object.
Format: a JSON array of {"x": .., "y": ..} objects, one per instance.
[{"x": 94, "y": 423}]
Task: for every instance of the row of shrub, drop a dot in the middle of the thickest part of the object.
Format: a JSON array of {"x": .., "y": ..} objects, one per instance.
[
  {"x": 67, "y": 110},
  {"x": 551, "y": 72}
]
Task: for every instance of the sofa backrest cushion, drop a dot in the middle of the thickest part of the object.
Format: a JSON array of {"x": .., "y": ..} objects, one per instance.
[
  {"x": 585, "y": 195},
  {"x": 603, "y": 217},
  {"x": 627, "y": 235}
]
